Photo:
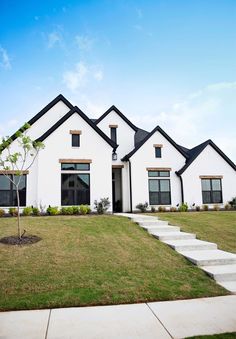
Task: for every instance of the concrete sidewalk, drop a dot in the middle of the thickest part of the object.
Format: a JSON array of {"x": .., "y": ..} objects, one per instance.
[{"x": 163, "y": 320}]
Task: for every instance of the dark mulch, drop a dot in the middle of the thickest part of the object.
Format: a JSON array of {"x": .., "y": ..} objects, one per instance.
[{"x": 25, "y": 240}]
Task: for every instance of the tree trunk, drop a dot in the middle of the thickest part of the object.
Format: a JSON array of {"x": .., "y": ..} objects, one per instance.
[{"x": 18, "y": 212}]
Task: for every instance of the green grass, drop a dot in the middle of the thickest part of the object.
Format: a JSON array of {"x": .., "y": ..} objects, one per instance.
[
  {"x": 216, "y": 336},
  {"x": 93, "y": 260},
  {"x": 218, "y": 227}
]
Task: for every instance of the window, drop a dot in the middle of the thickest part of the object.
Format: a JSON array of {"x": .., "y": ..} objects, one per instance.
[
  {"x": 159, "y": 192},
  {"x": 113, "y": 134},
  {"x": 75, "y": 189},
  {"x": 158, "y": 173},
  {"x": 75, "y": 140},
  {"x": 75, "y": 167},
  {"x": 158, "y": 152},
  {"x": 211, "y": 191},
  {"x": 8, "y": 191}
]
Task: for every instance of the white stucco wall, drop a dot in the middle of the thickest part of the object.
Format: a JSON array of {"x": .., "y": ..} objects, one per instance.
[
  {"x": 58, "y": 146},
  {"x": 208, "y": 163},
  {"x": 145, "y": 157}
]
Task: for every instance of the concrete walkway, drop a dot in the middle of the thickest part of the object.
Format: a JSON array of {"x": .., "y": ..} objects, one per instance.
[
  {"x": 219, "y": 265},
  {"x": 156, "y": 320}
]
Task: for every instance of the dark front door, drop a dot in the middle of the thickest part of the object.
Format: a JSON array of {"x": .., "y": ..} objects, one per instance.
[{"x": 116, "y": 190}]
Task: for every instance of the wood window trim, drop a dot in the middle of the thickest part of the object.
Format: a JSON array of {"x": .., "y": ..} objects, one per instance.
[
  {"x": 154, "y": 169},
  {"x": 75, "y": 161},
  {"x": 75, "y": 132},
  {"x": 211, "y": 176},
  {"x": 158, "y": 145},
  {"x": 113, "y": 126},
  {"x": 117, "y": 166},
  {"x": 14, "y": 172}
]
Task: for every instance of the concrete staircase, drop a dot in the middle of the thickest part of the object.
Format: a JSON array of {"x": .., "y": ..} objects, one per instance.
[{"x": 219, "y": 265}]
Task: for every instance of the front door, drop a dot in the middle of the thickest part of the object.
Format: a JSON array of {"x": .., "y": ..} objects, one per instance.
[{"x": 116, "y": 190}]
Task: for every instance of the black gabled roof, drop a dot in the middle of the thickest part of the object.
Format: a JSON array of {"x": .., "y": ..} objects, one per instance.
[
  {"x": 75, "y": 109},
  {"x": 194, "y": 153},
  {"x": 139, "y": 136},
  {"x": 114, "y": 108},
  {"x": 156, "y": 129}
]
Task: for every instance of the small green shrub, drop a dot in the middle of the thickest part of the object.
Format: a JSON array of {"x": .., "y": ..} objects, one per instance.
[
  {"x": 2, "y": 212},
  {"x": 161, "y": 209},
  {"x": 216, "y": 207},
  {"x": 142, "y": 207},
  {"x": 198, "y": 208},
  {"x": 233, "y": 203},
  {"x": 27, "y": 211},
  {"x": 102, "y": 205},
  {"x": 227, "y": 207},
  {"x": 173, "y": 209},
  {"x": 35, "y": 211},
  {"x": 84, "y": 209},
  {"x": 153, "y": 209},
  {"x": 67, "y": 210},
  {"x": 75, "y": 209},
  {"x": 52, "y": 210},
  {"x": 183, "y": 207},
  {"x": 13, "y": 211},
  {"x": 205, "y": 207}
]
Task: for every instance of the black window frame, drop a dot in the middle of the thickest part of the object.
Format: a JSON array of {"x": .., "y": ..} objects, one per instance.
[
  {"x": 75, "y": 191},
  {"x": 211, "y": 192},
  {"x": 158, "y": 174},
  {"x": 158, "y": 152},
  {"x": 75, "y": 140},
  {"x": 159, "y": 193},
  {"x": 113, "y": 133},
  {"x": 12, "y": 194},
  {"x": 75, "y": 166}
]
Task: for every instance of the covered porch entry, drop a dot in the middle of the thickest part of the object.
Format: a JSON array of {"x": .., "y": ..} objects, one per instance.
[{"x": 117, "y": 188}]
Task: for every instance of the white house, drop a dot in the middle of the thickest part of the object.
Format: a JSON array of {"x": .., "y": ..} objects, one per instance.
[{"x": 87, "y": 159}]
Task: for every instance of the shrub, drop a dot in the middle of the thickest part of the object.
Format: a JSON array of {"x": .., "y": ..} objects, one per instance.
[
  {"x": 153, "y": 210},
  {"x": 173, "y": 209},
  {"x": 161, "y": 209},
  {"x": 35, "y": 211},
  {"x": 102, "y": 205},
  {"x": 205, "y": 207},
  {"x": 2, "y": 212},
  {"x": 198, "y": 208},
  {"x": 142, "y": 207},
  {"x": 52, "y": 210},
  {"x": 233, "y": 203},
  {"x": 227, "y": 206},
  {"x": 84, "y": 209},
  {"x": 216, "y": 207},
  {"x": 183, "y": 207},
  {"x": 13, "y": 211},
  {"x": 67, "y": 210},
  {"x": 75, "y": 209},
  {"x": 27, "y": 211}
]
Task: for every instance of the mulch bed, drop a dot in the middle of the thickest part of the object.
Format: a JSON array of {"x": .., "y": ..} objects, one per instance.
[{"x": 25, "y": 240}]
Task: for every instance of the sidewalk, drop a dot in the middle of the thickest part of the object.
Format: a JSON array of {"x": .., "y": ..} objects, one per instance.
[{"x": 156, "y": 320}]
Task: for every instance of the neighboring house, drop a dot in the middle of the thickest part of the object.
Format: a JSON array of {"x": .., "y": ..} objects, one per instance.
[{"x": 87, "y": 159}]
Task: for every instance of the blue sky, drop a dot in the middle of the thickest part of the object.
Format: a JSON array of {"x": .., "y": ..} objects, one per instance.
[{"x": 171, "y": 63}]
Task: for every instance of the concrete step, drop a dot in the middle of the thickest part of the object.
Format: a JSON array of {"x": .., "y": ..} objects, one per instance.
[
  {"x": 209, "y": 257},
  {"x": 229, "y": 285},
  {"x": 190, "y": 245},
  {"x": 173, "y": 235},
  {"x": 153, "y": 229},
  {"x": 221, "y": 272},
  {"x": 143, "y": 219},
  {"x": 152, "y": 222}
]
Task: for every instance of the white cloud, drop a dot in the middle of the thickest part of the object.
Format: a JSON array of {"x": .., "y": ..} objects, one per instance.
[
  {"x": 84, "y": 42},
  {"x": 53, "y": 39},
  {"x": 81, "y": 75},
  {"x": 4, "y": 59}
]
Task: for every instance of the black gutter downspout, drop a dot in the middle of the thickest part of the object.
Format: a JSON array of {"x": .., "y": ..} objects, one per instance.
[
  {"x": 130, "y": 188},
  {"x": 182, "y": 186}
]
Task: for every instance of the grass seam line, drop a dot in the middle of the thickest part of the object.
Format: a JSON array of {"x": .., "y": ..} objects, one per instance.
[
  {"x": 159, "y": 320},
  {"x": 49, "y": 317}
]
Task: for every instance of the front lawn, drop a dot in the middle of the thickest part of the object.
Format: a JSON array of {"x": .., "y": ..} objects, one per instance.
[
  {"x": 93, "y": 260},
  {"x": 218, "y": 227}
]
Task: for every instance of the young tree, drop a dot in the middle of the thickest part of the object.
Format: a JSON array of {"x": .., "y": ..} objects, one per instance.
[{"x": 14, "y": 164}]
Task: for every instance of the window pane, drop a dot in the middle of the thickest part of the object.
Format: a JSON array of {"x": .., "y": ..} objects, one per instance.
[
  {"x": 68, "y": 166},
  {"x": 164, "y": 198},
  {"x": 22, "y": 179},
  {"x": 5, "y": 183},
  {"x": 154, "y": 198},
  {"x": 82, "y": 167},
  {"x": 75, "y": 140},
  {"x": 67, "y": 197},
  {"x": 5, "y": 198},
  {"x": 68, "y": 181},
  {"x": 22, "y": 196},
  {"x": 206, "y": 197},
  {"x": 216, "y": 186},
  {"x": 158, "y": 152},
  {"x": 152, "y": 173},
  {"x": 164, "y": 173},
  {"x": 153, "y": 185},
  {"x": 216, "y": 197},
  {"x": 113, "y": 134},
  {"x": 164, "y": 185},
  {"x": 206, "y": 184}
]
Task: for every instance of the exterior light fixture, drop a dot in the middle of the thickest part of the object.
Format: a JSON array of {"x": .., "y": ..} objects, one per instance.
[{"x": 114, "y": 156}]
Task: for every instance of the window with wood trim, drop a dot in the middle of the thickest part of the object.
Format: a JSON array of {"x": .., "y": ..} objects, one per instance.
[
  {"x": 159, "y": 189},
  {"x": 114, "y": 134},
  {"x": 211, "y": 191},
  {"x": 8, "y": 191},
  {"x": 75, "y": 167},
  {"x": 159, "y": 173},
  {"x": 158, "y": 152},
  {"x": 75, "y": 140}
]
